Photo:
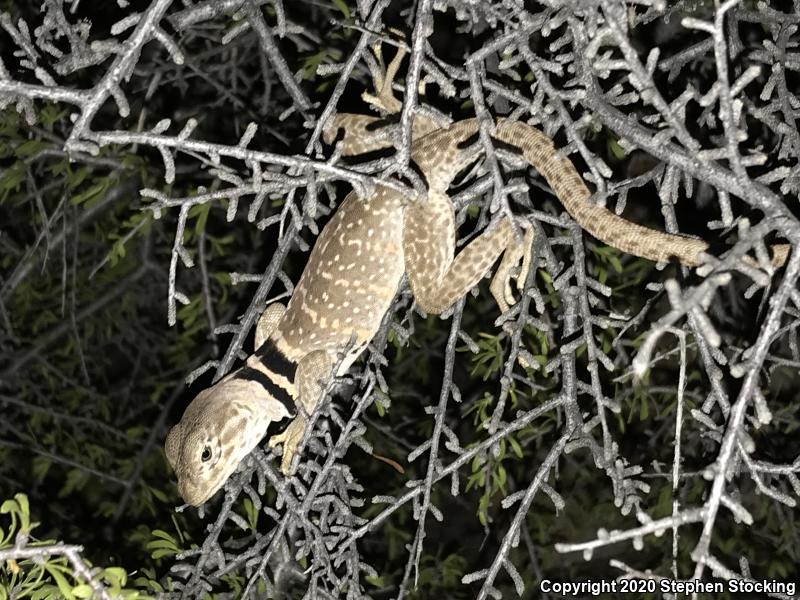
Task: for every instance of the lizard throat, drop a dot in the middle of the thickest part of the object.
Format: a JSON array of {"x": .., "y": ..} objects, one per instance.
[{"x": 274, "y": 389}]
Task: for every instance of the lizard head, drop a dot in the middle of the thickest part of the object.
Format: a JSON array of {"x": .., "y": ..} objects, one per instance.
[{"x": 218, "y": 429}]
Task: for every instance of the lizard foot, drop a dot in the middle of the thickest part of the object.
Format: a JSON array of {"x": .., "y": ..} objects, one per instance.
[
  {"x": 290, "y": 438},
  {"x": 501, "y": 282},
  {"x": 383, "y": 79}
]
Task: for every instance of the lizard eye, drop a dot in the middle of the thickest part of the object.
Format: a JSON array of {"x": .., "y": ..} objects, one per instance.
[{"x": 206, "y": 455}]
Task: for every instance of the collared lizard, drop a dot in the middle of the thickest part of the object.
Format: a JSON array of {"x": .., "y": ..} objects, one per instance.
[{"x": 354, "y": 272}]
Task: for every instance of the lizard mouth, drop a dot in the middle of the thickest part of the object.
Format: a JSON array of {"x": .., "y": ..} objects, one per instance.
[{"x": 193, "y": 494}]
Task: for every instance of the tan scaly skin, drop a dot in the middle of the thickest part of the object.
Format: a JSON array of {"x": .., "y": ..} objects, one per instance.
[{"x": 354, "y": 272}]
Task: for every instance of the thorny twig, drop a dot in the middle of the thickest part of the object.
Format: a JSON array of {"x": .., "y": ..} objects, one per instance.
[{"x": 572, "y": 68}]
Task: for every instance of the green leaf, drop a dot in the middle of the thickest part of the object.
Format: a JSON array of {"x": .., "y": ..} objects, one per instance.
[
  {"x": 117, "y": 252},
  {"x": 41, "y": 466},
  {"x": 59, "y": 167},
  {"x": 76, "y": 479},
  {"x": 160, "y": 545},
  {"x": 12, "y": 178},
  {"x": 82, "y": 591},
  {"x": 380, "y": 405},
  {"x": 148, "y": 582},
  {"x": 312, "y": 62},
  {"x": 515, "y": 447},
  {"x": 76, "y": 177},
  {"x": 345, "y": 10},
  {"x": 63, "y": 585},
  {"x": 483, "y": 510},
  {"x": 25, "y": 510},
  {"x": 159, "y": 494},
  {"x": 50, "y": 114},
  {"x": 617, "y": 150},
  {"x": 201, "y": 212},
  {"x": 19, "y": 510},
  {"x": 29, "y": 148},
  {"x": 502, "y": 477},
  {"x": 251, "y": 513},
  {"x": 163, "y": 545},
  {"x": 87, "y": 195},
  {"x": 115, "y": 576}
]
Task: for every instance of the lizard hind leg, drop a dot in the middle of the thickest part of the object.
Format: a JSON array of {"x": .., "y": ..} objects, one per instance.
[
  {"x": 438, "y": 279},
  {"x": 384, "y": 99},
  {"x": 383, "y": 79}
]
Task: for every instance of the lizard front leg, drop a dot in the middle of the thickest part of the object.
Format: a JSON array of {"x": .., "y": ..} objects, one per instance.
[
  {"x": 437, "y": 278},
  {"x": 313, "y": 371}
]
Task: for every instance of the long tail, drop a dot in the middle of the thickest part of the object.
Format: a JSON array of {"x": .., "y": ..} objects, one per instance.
[{"x": 603, "y": 224}]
